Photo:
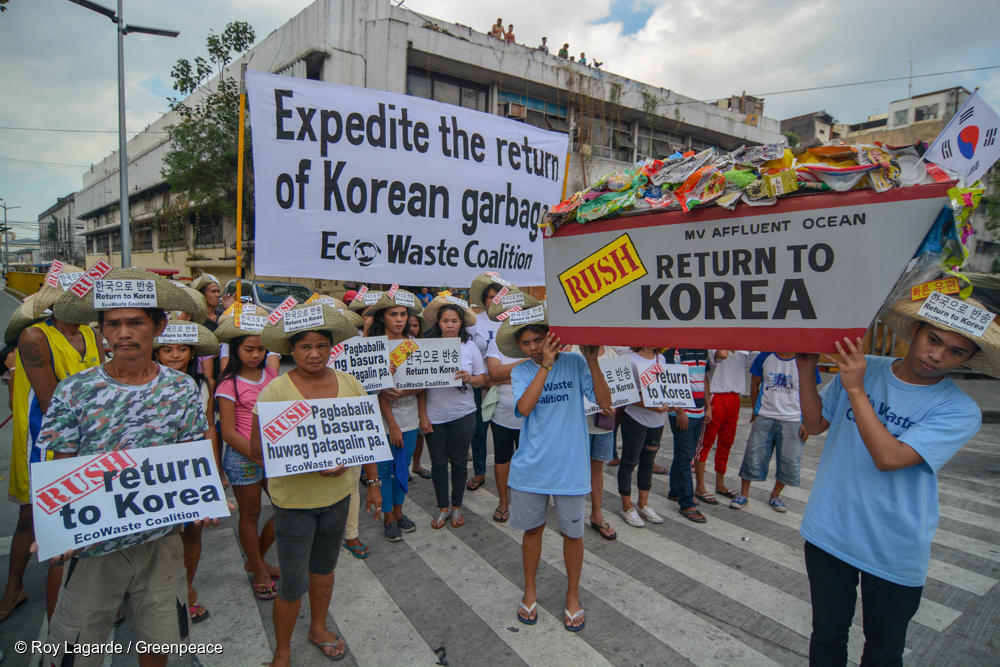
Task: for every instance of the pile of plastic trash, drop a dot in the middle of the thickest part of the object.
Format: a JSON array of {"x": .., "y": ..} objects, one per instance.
[{"x": 755, "y": 176}]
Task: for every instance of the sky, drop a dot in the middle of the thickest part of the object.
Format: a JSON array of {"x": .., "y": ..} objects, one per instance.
[{"x": 59, "y": 67}]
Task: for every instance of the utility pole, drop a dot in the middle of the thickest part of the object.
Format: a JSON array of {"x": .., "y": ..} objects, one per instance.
[{"x": 6, "y": 235}]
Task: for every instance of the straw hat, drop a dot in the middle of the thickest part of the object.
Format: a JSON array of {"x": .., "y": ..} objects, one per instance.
[
  {"x": 496, "y": 309},
  {"x": 902, "y": 315},
  {"x": 352, "y": 318},
  {"x": 331, "y": 301},
  {"x": 22, "y": 318},
  {"x": 71, "y": 308},
  {"x": 199, "y": 302},
  {"x": 402, "y": 298},
  {"x": 227, "y": 329},
  {"x": 481, "y": 282},
  {"x": 276, "y": 339},
  {"x": 433, "y": 309},
  {"x": 507, "y": 335},
  {"x": 46, "y": 295},
  {"x": 203, "y": 281},
  {"x": 207, "y": 345},
  {"x": 358, "y": 305}
]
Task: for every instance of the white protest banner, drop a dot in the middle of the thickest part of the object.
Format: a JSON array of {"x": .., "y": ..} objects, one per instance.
[
  {"x": 178, "y": 333},
  {"x": 621, "y": 380},
  {"x": 429, "y": 363},
  {"x": 124, "y": 293},
  {"x": 956, "y": 314},
  {"x": 67, "y": 278},
  {"x": 798, "y": 275},
  {"x": 52, "y": 275},
  {"x": 375, "y": 182},
  {"x": 664, "y": 384},
  {"x": 320, "y": 434},
  {"x": 83, "y": 500},
  {"x": 366, "y": 358}
]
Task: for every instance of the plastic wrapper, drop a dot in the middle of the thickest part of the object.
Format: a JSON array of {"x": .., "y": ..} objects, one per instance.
[
  {"x": 678, "y": 171},
  {"x": 605, "y": 205},
  {"x": 701, "y": 187},
  {"x": 757, "y": 154}
]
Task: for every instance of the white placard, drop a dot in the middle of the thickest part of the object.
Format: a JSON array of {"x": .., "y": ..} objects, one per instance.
[
  {"x": 461, "y": 303},
  {"x": 433, "y": 363},
  {"x": 536, "y": 314},
  {"x": 251, "y": 322},
  {"x": 404, "y": 299},
  {"x": 956, "y": 314},
  {"x": 67, "y": 279},
  {"x": 179, "y": 333},
  {"x": 508, "y": 301},
  {"x": 371, "y": 298},
  {"x": 621, "y": 378},
  {"x": 309, "y": 317},
  {"x": 440, "y": 197},
  {"x": 124, "y": 293},
  {"x": 366, "y": 358},
  {"x": 84, "y": 500},
  {"x": 665, "y": 384},
  {"x": 321, "y": 434}
]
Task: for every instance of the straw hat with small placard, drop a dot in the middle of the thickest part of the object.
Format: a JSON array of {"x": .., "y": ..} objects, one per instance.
[
  {"x": 80, "y": 310},
  {"x": 358, "y": 304},
  {"x": 401, "y": 298},
  {"x": 35, "y": 308},
  {"x": 207, "y": 344},
  {"x": 527, "y": 301},
  {"x": 902, "y": 315},
  {"x": 276, "y": 339},
  {"x": 199, "y": 302},
  {"x": 507, "y": 333},
  {"x": 481, "y": 282},
  {"x": 433, "y": 309},
  {"x": 227, "y": 329},
  {"x": 203, "y": 281}
]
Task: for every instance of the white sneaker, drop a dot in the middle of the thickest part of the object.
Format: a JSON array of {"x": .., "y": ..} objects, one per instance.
[
  {"x": 632, "y": 518},
  {"x": 650, "y": 514}
]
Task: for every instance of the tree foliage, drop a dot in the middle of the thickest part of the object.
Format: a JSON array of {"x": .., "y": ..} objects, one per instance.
[
  {"x": 202, "y": 160},
  {"x": 793, "y": 139}
]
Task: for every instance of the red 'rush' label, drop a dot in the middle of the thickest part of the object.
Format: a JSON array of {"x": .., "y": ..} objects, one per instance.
[
  {"x": 74, "y": 485},
  {"x": 335, "y": 352},
  {"x": 86, "y": 282},
  {"x": 504, "y": 315},
  {"x": 282, "y": 425},
  {"x": 52, "y": 276},
  {"x": 499, "y": 296},
  {"x": 392, "y": 291},
  {"x": 361, "y": 292},
  {"x": 282, "y": 308},
  {"x": 651, "y": 374}
]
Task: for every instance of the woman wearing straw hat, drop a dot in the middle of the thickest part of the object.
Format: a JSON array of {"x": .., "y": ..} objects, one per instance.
[
  {"x": 50, "y": 349},
  {"x": 873, "y": 509},
  {"x": 310, "y": 509},
  {"x": 208, "y": 285},
  {"x": 484, "y": 287},
  {"x": 400, "y": 411},
  {"x": 183, "y": 357},
  {"x": 448, "y": 417}
]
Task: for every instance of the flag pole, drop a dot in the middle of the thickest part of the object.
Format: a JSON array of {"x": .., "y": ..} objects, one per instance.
[{"x": 237, "y": 310}]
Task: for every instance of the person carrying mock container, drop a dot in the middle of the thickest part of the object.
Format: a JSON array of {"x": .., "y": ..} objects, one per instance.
[
  {"x": 892, "y": 425},
  {"x": 129, "y": 402},
  {"x": 687, "y": 426},
  {"x": 553, "y": 457},
  {"x": 727, "y": 382},
  {"x": 776, "y": 427}
]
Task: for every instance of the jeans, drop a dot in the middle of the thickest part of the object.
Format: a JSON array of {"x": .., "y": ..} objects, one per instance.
[
  {"x": 775, "y": 436},
  {"x": 639, "y": 446},
  {"x": 449, "y": 442},
  {"x": 392, "y": 492},
  {"x": 685, "y": 442},
  {"x": 886, "y": 607},
  {"x": 479, "y": 438}
]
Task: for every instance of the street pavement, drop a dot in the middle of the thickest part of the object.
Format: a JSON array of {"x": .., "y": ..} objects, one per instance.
[{"x": 730, "y": 592}]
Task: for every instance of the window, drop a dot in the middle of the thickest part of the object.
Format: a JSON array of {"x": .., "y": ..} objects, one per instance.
[
  {"x": 441, "y": 88},
  {"x": 142, "y": 237},
  {"x": 926, "y": 112},
  {"x": 657, "y": 143},
  {"x": 901, "y": 117},
  {"x": 608, "y": 138},
  {"x": 207, "y": 230},
  {"x": 116, "y": 241}
]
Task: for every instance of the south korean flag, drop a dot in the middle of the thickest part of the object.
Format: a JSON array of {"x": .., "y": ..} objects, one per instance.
[{"x": 968, "y": 145}]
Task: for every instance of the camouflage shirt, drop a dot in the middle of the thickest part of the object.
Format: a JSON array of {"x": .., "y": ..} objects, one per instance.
[{"x": 92, "y": 413}]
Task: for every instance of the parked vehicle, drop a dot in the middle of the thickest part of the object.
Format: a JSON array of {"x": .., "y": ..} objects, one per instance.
[{"x": 268, "y": 294}]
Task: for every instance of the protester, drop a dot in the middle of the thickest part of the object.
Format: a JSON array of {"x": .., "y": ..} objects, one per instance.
[
  {"x": 414, "y": 328},
  {"x": 728, "y": 382},
  {"x": 245, "y": 376},
  {"x": 642, "y": 428},
  {"x": 687, "y": 425},
  {"x": 310, "y": 509},
  {"x": 425, "y": 296},
  {"x": 273, "y": 360},
  {"x": 564, "y": 51},
  {"x": 183, "y": 357},
  {"x": 484, "y": 287},
  {"x": 509, "y": 35},
  {"x": 448, "y": 418},
  {"x": 553, "y": 456},
  {"x": 208, "y": 285},
  {"x": 130, "y": 402},
  {"x": 49, "y": 349},
  {"x": 775, "y": 428},
  {"x": 400, "y": 411},
  {"x": 496, "y": 31},
  {"x": 544, "y": 46}
]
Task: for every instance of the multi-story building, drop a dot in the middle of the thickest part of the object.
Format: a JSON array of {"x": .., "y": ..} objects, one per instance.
[
  {"x": 613, "y": 120},
  {"x": 60, "y": 232}
]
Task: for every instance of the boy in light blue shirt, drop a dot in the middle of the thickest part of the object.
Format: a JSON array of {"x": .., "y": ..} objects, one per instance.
[{"x": 873, "y": 510}]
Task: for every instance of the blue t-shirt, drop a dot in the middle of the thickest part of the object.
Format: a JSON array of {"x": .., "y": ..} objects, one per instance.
[
  {"x": 883, "y": 522},
  {"x": 553, "y": 455}
]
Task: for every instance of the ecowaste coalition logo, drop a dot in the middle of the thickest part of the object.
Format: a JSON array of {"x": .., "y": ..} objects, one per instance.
[{"x": 363, "y": 251}]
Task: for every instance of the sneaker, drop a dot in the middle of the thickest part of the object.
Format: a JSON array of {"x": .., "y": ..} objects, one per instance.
[
  {"x": 406, "y": 524},
  {"x": 777, "y": 504},
  {"x": 632, "y": 518},
  {"x": 738, "y": 501},
  {"x": 650, "y": 514},
  {"x": 392, "y": 532}
]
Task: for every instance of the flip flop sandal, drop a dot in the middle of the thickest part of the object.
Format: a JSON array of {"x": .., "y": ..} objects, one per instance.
[
  {"x": 264, "y": 591},
  {"x": 423, "y": 473},
  {"x": 693, "y": 514},
  {"x": 474, "y": 483},
  {"x": 661, "y": 470},
  {"x": 197, "y": 612},
  {"x": 605, "y": 529},
  {"x": 572, "y": 617},
  {"x": 527, "y": 620},
  {"x": 456, "y": 519},
  {"x": 708, "y": 498},
  {"x": 500, "y": 516},
  {"x": 728, "y": 493},
  {"x": 441, "y": 519},
  {"x": 324, "y": 645},
  {"x": 358, "y": 550}
]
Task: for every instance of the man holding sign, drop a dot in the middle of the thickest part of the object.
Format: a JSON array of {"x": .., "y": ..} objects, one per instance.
[
  {"x": 131, "y": 402},
  {"x": 873, "y": 508}
]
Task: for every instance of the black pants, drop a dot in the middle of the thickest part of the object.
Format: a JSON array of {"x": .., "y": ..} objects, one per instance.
[
  {"x": 887, "y": 609},
  {"x": 449, "y": 442},
  {"x": 639, "y": 447},
  {"x": 505, "y": 442}
]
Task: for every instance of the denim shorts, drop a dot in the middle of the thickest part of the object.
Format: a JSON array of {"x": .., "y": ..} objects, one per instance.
[
  {"x": 240, "y": 470},
  {"x": 528, "y": 510},
  {"x": 602, "y": 446},
  {"x": 767, "y": 436}
]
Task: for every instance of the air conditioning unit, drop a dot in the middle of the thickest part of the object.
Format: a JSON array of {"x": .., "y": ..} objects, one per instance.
[{"x": 513, "y": 110}]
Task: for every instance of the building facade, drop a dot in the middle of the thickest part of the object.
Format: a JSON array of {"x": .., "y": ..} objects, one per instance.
[{"x": 60, "y": 232}]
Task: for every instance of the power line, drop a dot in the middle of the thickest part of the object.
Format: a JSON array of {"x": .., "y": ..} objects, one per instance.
[
  {"x": 74, "y": 165},
  {"x": 57, "y": 129}
]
